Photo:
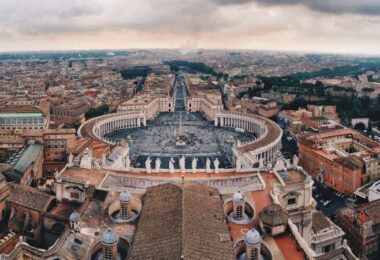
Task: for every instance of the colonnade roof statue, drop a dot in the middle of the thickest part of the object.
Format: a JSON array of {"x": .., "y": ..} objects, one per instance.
[
  {"x": 148, "y": 166},
  {"x": 194, "y": 164},
  {"x": 171, "y": 165},
  {"x": 182, "y": 162},
  {"x": 208, "y": 165},
  {"x": 216, "y": 163}
]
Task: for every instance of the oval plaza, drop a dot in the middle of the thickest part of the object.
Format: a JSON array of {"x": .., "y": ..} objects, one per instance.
[{"x": 176, "y": 126}]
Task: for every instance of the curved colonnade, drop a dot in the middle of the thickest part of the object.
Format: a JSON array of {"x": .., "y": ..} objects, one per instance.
[
  {"x": 102, "y": 125},
  {"x": 262, "y": 149}
]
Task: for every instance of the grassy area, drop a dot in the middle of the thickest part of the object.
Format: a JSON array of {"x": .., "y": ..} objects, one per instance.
[
  {"x": 338, "y": 71},
  {"x": 136, "y": 71},
  {"x": 94, "y": 112},
  {"x": 194, "y": 66}
]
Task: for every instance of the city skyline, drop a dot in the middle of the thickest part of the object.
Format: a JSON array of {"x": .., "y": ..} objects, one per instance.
[{"x": 345, "y": 27}]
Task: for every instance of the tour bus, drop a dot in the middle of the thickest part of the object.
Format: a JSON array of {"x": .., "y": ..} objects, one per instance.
[{"x": 240, "y": 130}]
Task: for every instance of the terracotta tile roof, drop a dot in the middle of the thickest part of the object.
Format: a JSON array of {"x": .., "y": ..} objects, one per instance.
[
  {"x": 29, "y": 197},
  {"x": 319, "y": 222},
  {"x": 363, "y": 217},
  {"x": 44, "y": 106},
  {"x": 181, "y": 220},
  {"x": 350, "y": 162},
  {"x": 12, "y": 140},
  {"x": 20, "y": 109},
  {"x": 274, "y": 215}
]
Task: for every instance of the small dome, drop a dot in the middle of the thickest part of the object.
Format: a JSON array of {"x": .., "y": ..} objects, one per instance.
[
  {"x": 252, "y": 237},
  {"x": 74, "y": 217},
  {"x": 238, "y": 197},
  {"x": 109, "y": 237},
  {"x": 274, "y": 215},
  {"x": 125, "y": 196}
]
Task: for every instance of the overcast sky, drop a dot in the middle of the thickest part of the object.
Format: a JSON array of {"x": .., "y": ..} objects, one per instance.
[{"x": 341, "y": 26}]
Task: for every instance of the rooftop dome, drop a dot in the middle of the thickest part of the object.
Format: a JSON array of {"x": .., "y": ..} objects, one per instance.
[
  {"x": 252, "y": 237},
  {"x": 109, "y": 237},
  {"x": 274, "y": 215},
  {"x": 238, "y": 197},
  {"x": 125, "y": 196},
  {"x": 74, "y": 217}
]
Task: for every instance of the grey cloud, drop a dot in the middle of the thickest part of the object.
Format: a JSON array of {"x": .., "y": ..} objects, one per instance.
[
  {"x": 365, "y": 7},
  {"x": 41, "y": 16},
  {"x": 187, "y": 23},
  {"x": 56, "y": 16}
]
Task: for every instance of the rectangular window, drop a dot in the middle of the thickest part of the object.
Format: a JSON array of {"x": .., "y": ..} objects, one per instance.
[
  {"x": 328, "y": 248},
  {"x": 292, "y": 201},
  {"x": 74, "y": 195}
]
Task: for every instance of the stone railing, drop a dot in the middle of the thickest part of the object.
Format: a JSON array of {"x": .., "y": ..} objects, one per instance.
[
  {"x": 268, "y": 134},
  {"x": 34, "y": 252},
  {"x": 111, "y": 117},
  {"x": 259, "y": 121}
]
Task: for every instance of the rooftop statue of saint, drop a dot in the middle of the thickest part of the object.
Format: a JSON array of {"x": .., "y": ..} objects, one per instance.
[
  {"x": 208, "y": 165},
  {"x": 148, "y": 167},
  {"x": 171, "y": 165},
  {"x": 194, "y": 164},
  {"x": 216, "y": 165}
]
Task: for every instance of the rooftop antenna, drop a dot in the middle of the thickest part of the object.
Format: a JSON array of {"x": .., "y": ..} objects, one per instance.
[{"x": 104, "y": 224}]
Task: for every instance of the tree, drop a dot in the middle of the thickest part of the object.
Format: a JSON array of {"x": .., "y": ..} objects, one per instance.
[{"x": 98, "y": 111}]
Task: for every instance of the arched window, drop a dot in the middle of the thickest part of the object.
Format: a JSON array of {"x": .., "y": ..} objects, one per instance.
[
  {"x": 255, "y": 254},
  {"x": 124, "y": 210},
  {"x": 108, "y": 253},
  {"x": 239, "y": 212}
]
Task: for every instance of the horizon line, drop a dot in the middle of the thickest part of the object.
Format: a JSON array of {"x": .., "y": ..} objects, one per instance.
[{"x": 304, "y": 52}]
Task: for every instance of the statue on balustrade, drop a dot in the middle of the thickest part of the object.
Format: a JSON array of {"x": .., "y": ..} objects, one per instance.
[
  {"x": 171, "y": 165},
  {"x": 148, "y": 166},
  {"x": 194, "y": 164},
  {"x": 216, "y": 165},
  {"x": 182, "y": 164},
  {"x": 158, "y": 165},
  {"x": 208, "y": 165}
]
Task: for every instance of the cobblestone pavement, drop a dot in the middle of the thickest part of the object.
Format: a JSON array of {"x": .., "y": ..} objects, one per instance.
[
  {"x": 159, "y": 137},
  {"x": 203, "y": 140}
]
